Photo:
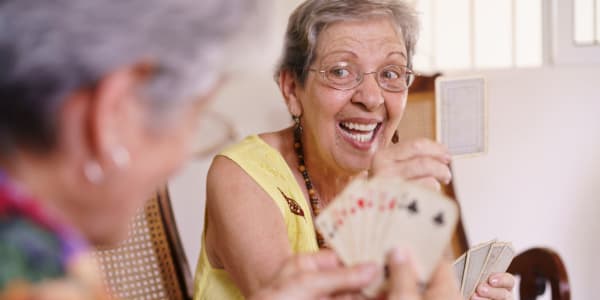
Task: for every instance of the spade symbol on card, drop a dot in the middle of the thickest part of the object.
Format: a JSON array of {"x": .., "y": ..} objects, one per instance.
[
  {"x": 412, "y": 207},
  {"x": 439, "y": 219}
]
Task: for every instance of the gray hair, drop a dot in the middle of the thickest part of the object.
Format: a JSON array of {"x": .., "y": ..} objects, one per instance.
[
  {"x": 50, "y": 48},
  {"x": 312, "y": 17}
]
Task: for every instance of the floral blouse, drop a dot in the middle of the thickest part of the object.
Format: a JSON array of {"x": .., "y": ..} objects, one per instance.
[{"x": 41, "y": 257}]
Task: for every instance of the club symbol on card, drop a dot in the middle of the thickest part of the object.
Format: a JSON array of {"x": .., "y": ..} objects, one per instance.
[
  {"x": 412, "y": 207},
  {"x": 439, "y": 219}
]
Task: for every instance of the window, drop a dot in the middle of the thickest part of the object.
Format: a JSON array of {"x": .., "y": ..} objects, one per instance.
[
  {"x": 576, "y": 32},
  {"x": 587, "y": 22},
  {"x": 477, "y": 34}
]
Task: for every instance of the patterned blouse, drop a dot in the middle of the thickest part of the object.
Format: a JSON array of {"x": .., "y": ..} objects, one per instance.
[{"x": 39, "y": 255}]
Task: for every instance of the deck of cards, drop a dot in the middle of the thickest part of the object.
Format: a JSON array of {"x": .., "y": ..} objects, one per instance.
[
  {"x": 477, "y": 264},
  {"x": 370, "y": 217}
]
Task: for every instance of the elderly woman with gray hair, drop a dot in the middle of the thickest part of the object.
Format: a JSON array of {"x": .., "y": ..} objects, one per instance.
[
  {"x": 98, "y": 103},
  {"x": 344, "y": 75}
]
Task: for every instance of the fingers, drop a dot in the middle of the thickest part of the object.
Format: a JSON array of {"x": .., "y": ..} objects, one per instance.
[
  {"x": 315, "y": 276},
  {"x": 502, "y": 280},
  {"x": 403, "y": 278},
  {"x": 498, "y": 287},
  {"x": 484, "y": 291},
  {"x": 419, "y": 147},
  {"x": 334, "y": 281},
  {"x": 428, "y": 182},
  {"x": 421, "y": 160},
  {"x": 322, "y": 260}
]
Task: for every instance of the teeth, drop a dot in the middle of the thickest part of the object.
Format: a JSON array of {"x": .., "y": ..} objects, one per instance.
[
  {"x": 360, "y": 127},
  {"x": 362, "y": 138}
]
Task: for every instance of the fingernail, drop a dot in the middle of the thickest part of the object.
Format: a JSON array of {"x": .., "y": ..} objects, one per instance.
[
  {"x": 483, "y": 289},
  {"x": 398, "y": 256},
  {"x": 368, "y": 270},
  {"x": 494, "y": 281}
]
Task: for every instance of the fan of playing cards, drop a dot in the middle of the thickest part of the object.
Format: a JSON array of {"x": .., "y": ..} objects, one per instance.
[
  {"x": 370, "y": 217},
  {"x": 477, "y": 264}
]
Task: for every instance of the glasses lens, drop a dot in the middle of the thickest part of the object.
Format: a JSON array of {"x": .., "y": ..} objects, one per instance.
[
  {"x": 394, "y": 78},
  {"x": 342, "y": 75}
]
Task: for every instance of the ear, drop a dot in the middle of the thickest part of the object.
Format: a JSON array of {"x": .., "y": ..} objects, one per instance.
[
  {"x": 289, "y": 90},
  {"x": 114, "y": 110}
]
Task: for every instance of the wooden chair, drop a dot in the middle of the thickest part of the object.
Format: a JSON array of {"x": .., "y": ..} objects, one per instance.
[
  {"x": 536, "y": 266},
  {"x": 151, "y": 263}
]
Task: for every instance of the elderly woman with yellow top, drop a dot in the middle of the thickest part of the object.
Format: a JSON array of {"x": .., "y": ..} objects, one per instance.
[{"x": 344, "y": 75}]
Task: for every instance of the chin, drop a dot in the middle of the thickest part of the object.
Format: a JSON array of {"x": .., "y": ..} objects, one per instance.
[
  {"x": 110, "y": 236},
  {"x": 356, "y": 165}
]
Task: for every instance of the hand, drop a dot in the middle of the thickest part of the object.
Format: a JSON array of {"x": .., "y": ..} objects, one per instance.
[
  {"x": 499, "y": 286},
  {"x": 404, "y": 281},
  {"x": 316, "y": 276},
  {"x": 420, "y": 160}
]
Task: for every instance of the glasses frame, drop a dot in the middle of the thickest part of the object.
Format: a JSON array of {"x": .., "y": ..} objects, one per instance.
[{"x": 410, "y": 78}]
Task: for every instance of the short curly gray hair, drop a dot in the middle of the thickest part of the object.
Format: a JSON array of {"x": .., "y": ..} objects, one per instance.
[
  {"x": 49, "y": 49},
  {"x": 312, "y": 17}
]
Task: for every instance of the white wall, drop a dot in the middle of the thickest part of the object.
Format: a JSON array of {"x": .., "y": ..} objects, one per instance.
[{"x": 539, "y": 183}]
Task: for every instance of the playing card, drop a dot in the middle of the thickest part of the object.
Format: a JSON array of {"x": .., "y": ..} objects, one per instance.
[
  {"x": 476, "y": 257},
  {"x": 459, "y": 268},
  {"x": 371, "y": 217},
  {"x": 336, "y": 223},
  {"x": 491, "y": 260},
  {"x": 461, "y": 114},
  {"x": 502, "y": 262},
  {"x": 470, "y": 271}
]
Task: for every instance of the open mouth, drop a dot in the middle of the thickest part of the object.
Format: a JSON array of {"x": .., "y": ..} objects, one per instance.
[{"x": 360, "y": 132}]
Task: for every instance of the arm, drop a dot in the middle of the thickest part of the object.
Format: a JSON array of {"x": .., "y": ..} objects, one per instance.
[{"x": 245, "y": 231}]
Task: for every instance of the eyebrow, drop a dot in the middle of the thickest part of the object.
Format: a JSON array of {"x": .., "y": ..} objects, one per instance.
[
  {"x": 401, "y": 53},
  {"x": 397, "y": 52},
  {"x": 340, "y": 52}
]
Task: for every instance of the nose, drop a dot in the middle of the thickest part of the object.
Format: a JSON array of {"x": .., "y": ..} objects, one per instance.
[{"x": 368, "y": 93}]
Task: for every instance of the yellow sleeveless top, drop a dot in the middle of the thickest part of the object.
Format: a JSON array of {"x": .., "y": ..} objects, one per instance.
[{"x": 269, "y": 170}]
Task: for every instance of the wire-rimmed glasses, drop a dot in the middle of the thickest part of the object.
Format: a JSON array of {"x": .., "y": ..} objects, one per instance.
[{"x": 346, "y": 76}]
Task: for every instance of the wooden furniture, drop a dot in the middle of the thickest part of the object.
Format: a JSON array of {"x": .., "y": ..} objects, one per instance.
[
  {"x": 535, "y": 266},
  {"x": 151, "y": 263}
]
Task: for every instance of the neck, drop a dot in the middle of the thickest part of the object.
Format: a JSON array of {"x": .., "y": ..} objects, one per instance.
[
  {"x": 43, "y": 179},
  {"x": 328, "y": 180}
]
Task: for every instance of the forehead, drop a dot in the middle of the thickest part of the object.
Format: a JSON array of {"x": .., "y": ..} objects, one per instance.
[{"x": 365, "y": 39}]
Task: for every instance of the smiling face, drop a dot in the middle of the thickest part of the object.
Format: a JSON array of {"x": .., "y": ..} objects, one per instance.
[{"x": 344, "y": 128}]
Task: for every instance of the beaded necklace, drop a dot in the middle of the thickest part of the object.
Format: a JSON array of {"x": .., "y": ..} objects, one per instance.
[{"x": 312, "y": 194}]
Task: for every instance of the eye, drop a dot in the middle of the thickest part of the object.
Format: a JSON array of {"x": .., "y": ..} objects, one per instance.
[
  {"x": 339, "y": 72},
  {"x": 390, "y": 74}
]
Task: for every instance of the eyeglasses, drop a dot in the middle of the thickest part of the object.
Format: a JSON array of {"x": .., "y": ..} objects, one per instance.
[{"x": 346, "y": 76}]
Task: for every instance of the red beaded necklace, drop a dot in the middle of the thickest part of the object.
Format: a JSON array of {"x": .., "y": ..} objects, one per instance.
[{"x": 312, "y": 194}]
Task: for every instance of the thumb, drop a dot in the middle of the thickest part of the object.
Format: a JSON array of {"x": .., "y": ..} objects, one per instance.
[{"x": 403, "y": 277}]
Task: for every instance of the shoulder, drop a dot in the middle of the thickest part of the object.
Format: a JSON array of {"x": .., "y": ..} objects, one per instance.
[{"x": 28, "y": 251}]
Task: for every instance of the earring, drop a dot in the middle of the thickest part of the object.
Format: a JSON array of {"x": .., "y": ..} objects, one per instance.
[
  {"x": 120, "y": 157},
  {"x": 93, "y": 172},
  {"x": 297, "y": 126},
  {"x": 395, "y": 137}
]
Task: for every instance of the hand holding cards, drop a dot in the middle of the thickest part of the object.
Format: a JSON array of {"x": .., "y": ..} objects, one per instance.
[
  {"x": 373, "y": 216},
  {"x": 477, "y": 264}
]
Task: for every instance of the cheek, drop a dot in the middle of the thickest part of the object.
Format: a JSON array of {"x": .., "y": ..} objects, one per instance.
[{"x": 395, "y": 108}]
